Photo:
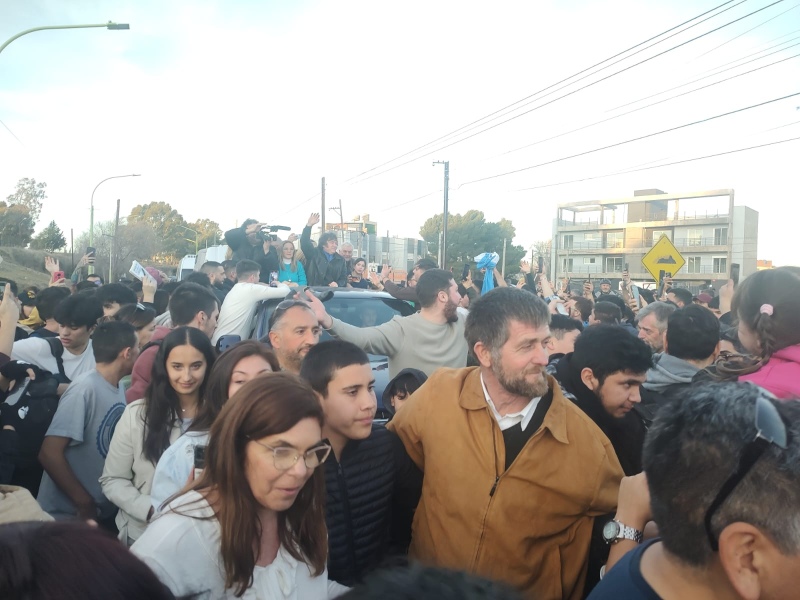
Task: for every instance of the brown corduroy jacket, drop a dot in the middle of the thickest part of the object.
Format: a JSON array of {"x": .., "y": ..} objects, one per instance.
[{"x": 533, "y": 530}]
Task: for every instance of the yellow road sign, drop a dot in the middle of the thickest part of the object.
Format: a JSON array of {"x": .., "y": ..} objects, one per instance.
[{"x": 663, "y": 256}]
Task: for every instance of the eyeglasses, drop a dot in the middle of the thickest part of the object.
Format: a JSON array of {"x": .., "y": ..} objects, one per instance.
[
  {"x": 282, "y": 307},
  {"x": 770, "y": 429},
  {"x": 284, "y": 458}
]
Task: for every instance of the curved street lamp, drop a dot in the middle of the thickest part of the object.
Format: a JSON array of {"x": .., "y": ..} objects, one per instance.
[
  {"x": 110, "y": 25},
  {"x": 91, "y": 210}
]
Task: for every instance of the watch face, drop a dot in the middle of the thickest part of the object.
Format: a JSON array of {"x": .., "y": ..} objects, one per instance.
[{"x": 611, "y": 531}]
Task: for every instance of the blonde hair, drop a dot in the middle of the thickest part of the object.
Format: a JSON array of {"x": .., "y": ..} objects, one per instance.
[{"x": 293, "y": 263}]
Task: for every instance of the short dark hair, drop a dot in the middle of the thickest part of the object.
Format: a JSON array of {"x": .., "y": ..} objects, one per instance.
[
  {"x": 116, "y": 292},
  {"x": 246, "y": 267},
  {"x": 561, "y": 324},
  {"x": 198, "y": 278},
  {"x": 210, "y": 264},
  {"x": 682, "y": 294},
  {"x": 426, "y": 264},
  {"x": 607, "y": 312},
  {"x": 43, "y": 559},
  {"x": 418, "y": 582},
  {"x": 229, "y": 266},
  {"x": 692, "y": 333},
  {"x": 430, "y": 283},
  {"x": 83, "y": 286},
  {"x": 189, "y": 299},
  {"x": 323, "y": 360},
  {"x": 111, "y": 338},
  {"x": 11, "y": 282},
  {"x": 327, "y": 237},
  {"x": 609, "y": 349},
  {"x": 137, "y": 315},
  {"x": 48, "y": 299},
  {"x": 584, "y": 306},
  {"x": 96, "y": 276},
  {"x": 692, "y": 447},
  {"x": 491, "y": 314},
  {"x": 79, "y": 310}
]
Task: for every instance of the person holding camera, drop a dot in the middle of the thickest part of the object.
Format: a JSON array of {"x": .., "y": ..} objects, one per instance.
[
  {"x": 324, "y": 265},
  {"x": 252, "y": 241}
]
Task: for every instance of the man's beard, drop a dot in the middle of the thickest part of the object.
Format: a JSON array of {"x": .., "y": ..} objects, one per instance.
[
  {"x": 451, "y": 312},
  {"x": 520, "y": 386}
]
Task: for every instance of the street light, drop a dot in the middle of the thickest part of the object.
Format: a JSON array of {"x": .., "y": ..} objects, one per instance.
[
  {"x": 195, "y": 237},
  {"x": 110, "y": 25},
  {"x": 91, "y": 210}
]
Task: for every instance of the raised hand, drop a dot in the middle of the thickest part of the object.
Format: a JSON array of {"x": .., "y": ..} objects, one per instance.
[
  {"x": 51, "y": 265},
  {"x": 313, "y": 219},
  {"x": 525, "y": 266}
]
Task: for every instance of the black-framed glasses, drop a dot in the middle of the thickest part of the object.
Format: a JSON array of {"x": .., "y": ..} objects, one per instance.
[
  {"x": 282, "y": 307},
  {"x": 284, "y": 457},
  {"x": 770, "y": 429}
]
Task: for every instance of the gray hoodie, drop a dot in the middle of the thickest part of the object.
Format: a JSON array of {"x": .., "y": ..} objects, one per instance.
[{"x": 667, "y": 371}]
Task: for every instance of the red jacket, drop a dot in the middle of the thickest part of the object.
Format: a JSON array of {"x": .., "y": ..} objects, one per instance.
[{"x": 140, "y": 377}]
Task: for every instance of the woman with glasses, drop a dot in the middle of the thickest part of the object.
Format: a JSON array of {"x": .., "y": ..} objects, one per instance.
[
  {"x": 291, "y": 271},
  {"x": 174, "y": 398},
  {"x": 142, "y": 318},
  {"x": 235, "y": 367},
  {"x": 253, "y": 524}
]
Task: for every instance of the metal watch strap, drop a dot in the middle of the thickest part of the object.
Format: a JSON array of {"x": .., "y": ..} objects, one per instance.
[{"x": 629, "y": 533}]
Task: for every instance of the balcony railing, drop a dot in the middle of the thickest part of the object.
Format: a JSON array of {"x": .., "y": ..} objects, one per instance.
[
  {"x": 650, "y": 218},
  {"x": 643, "y": 244}
]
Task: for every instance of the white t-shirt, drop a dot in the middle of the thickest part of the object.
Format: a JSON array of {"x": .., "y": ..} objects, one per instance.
[
  {"x": 239, "y": 308},
  {"x": 36, "y": 351}
]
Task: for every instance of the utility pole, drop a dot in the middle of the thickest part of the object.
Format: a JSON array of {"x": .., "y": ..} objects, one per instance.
[
  {"x": 503, "y": 268},
  {"x": 443, "y": 253},
  {"x": 322, "y": 211},
  {"x": 341, "y": 218},
  {"x": 114, "y": 247}
]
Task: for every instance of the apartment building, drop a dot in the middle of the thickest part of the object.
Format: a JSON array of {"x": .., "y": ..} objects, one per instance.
[{"x": 597, "y": 238}]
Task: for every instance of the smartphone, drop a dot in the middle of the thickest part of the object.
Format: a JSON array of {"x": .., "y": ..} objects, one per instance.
[
  {"x": 91, "y": 251},
  {"x": 541, "y": 264},
  {"x": 635, "y": 292},
  {"x": 380, "y": 268},
  {"x": 59, "y": 275},
  {"x": 199, "y": 460},
  {"x": 273, "y": 279},
  {"x": 465, "y": 272},
  {"x": 18, "y": 392},
  {"x": 626, "y": 268},
  {"x": 735, "y": 273}
]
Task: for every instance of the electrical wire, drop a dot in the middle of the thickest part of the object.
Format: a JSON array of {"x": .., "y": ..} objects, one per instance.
[
  {"x": 11, "y": 132},
  {"x": 677, "y": 162},
  {"x": 642, "y": 137},
  {"x": 564, "y": 96},
  {"x": 540, "y": 91},
  {"x": 658, "y": 102},
  {"x": 412, "y": 200}
]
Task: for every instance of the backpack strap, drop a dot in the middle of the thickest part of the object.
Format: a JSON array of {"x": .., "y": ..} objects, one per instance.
[
  {"x": 57, "y": 350},
  {"x": 154, "y": 343}
]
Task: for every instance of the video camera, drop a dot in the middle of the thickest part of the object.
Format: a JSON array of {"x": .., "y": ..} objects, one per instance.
[{"x": 264, "y": 236}]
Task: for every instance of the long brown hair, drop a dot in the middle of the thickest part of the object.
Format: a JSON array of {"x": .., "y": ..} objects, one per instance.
[
  {"x": 293, "y": 263},
  {"x": 264, "y": 406},
  {"x": 775, "y": 291},
  {"x": 219, "y": 380}
]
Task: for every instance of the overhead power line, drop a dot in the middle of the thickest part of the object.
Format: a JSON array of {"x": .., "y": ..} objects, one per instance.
[
  {"x": 677, "y": 162},
  {"x": 543, "y": 89},
  {"x": 440, "y": 148},
  {"x": 641, "y": 137}
]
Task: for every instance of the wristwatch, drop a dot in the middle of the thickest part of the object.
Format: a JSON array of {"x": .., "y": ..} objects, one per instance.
[{"x": 613, "y": 531}]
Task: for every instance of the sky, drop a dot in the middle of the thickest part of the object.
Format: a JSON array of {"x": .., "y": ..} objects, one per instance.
[{"x": 237, "y": 109}]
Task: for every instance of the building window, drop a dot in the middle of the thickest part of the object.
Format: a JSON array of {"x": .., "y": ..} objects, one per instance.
[
  {"x": 567, "y": 242},
  {"x": 694, "y": 237},
  {"x": 720, "y": 265},
  {"x": 721, "y": 236},
  {"x": 615, "y": 239},
  {"x": 566, "y": 264},
  {"x": 589, "y": 260},
  {"x": 613, "y": 264},
  {"x": 693, "y": 264},
  {"x": 657, "y": 233}
]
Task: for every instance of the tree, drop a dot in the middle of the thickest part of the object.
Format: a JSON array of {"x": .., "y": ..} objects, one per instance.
[
  {"x": 51, "y": 238},
  {"x": 135, "y": 241},
  {"x": 30, "y": 195},
  {"x": 16, "y": 225},
  {"x": 469, "y": 235},
  {"x": 209, "y": 233},
  {"x": 167, "y": 224}
]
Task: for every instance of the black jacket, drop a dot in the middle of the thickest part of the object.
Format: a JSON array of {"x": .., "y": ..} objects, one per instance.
[
  {"x": 319, "y": 270},
  {"x": 242, "y": 249},
  {"x": 372, "y": 492}
]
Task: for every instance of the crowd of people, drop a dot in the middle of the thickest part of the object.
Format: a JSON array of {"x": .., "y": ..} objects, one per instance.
[{"x": 545, "y": 441}]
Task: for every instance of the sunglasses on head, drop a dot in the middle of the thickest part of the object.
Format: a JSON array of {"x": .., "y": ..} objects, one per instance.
[
  {"x": 282, "y": 307},
  {"x": 770, "y": 430}
]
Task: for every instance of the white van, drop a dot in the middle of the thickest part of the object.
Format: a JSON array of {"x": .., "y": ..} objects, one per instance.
[{"x": 214, "y": 253}]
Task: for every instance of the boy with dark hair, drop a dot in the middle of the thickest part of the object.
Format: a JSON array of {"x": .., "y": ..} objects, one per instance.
[
  {"x": 46, "y": 303},
  {"x": 564, "y": 331},
  {"x": 605, "y": 313},
  {"x": 77, "y": 317},
  {"x": 190, "y": 305},
  {"x": 401, "y": 387},
  {"x": 74, "y": 449},
  {"x": 113, "y": 296},
  {"x": 229, "y": 267},
  {"x": 372, "y": 486}
]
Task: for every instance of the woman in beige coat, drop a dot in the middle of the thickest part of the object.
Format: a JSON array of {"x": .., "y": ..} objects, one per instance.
[{"x": 148, "y": 426}]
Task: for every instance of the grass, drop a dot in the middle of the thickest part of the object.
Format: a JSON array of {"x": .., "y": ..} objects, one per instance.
[{"x": 26, "y": 267}]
